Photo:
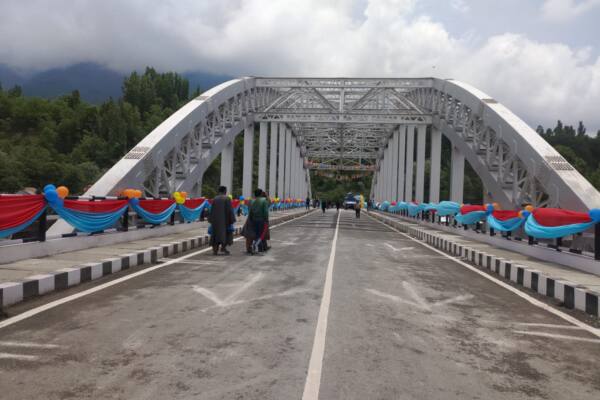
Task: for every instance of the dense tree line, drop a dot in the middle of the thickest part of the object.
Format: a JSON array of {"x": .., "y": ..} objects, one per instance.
[{"x": 70, "y": 142}]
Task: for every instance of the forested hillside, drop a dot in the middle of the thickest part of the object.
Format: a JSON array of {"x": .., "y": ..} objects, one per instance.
[{"x": 70, "y": 142}]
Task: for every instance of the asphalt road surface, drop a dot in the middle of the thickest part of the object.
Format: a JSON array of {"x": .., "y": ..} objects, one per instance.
[{"x": 339, "y": 308}]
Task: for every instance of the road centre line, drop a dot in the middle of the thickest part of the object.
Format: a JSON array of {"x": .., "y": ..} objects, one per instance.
[
  {"x": 30, "y": 313},
  {"x": 523, "y": 295},
  {"x": 315, "y": 365}
]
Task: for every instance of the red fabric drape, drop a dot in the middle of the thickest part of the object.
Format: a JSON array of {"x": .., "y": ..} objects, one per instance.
[
  {"x": 194, "y": 203},
  {"x": 99, "y": 206},
  {"x": 558, "y": 217},
  {"x": 504, "y": 215},
  {"x": 235, "y": 203},
  {"x": 16, "y": 210},
  {"x": 468, "y": 208},
  {"x": 156, "y": 206}
]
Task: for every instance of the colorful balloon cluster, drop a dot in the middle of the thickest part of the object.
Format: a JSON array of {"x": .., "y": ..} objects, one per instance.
[
  {"x": 53, "y": 193},
  {"x": 132, "y": 193},
  {"x": 179, "y": 197}
]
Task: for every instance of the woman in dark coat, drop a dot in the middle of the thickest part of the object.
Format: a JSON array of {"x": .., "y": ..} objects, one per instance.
[{"x": 221, "y": 218}]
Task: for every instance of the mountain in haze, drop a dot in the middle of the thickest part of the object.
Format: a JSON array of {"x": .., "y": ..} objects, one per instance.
[{"x": 95, "y": 82}]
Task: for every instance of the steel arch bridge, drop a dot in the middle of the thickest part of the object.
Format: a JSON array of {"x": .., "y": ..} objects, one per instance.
[{"x": 379, "y": 125}]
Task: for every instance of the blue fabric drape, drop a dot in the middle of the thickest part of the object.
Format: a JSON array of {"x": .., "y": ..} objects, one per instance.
[
  {"x": 414, "y": 209},
  {"x": 86, "y": 221},
  {"x": 15, "y": 229},
  {"x": 470, "y": 218},
  {"x": 533, "y": 228},
  {"x": 191, "y": 214},
  {"x": 508, "y": 225},
  {"x": 447, "y": 208},
  {"x": 153, "y": 218}
]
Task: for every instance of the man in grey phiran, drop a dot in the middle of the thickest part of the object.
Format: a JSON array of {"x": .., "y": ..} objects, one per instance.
[{"x": 221, "y": 218}]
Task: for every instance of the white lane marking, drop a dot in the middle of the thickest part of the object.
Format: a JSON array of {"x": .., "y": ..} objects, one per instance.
[
  {"x": 56, "y": 303},
  {"x": 400, "y": 249},
  {"x": 557, "y": 336},
  {"x": 416, "y": 297},
  {"x": 229, "y": 300},
  {"x": 391, "y": 297},
  {"x": 419, "y": 301},
  {"x": 193, "y": 262},
  {"x": 555, "y": 326},
  {"x": 290, "y": 292},
  {"x": 523, "y": 295},
  {"x": 315, "y": 365},
  {"x": 29, "y": 344},
  {"x": 20, "y": 357}
]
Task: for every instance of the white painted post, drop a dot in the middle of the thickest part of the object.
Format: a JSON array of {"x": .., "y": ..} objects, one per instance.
[
  {"x": 457, "y": 173},
  {"x": 248, "y": 161},
  {"x": 288, "y": 162},
  {"x": 273, "y": 161},
  {"x": 227, "y": 167},
  {"x": 394, "y": 167},
  {"x": 436, "y": 161},
  {"x": 262, "y": 156},
  {"x": 410, "y": 150},
  {"x": 281, "y": 169},
  {"x": 401, "y": 162},
  {"x": 420, "y": 183}
]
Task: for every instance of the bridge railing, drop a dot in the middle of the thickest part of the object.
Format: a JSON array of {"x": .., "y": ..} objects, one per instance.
[
  {"x": 558, "y": 229},
  {"x": 26, "y": 218}
]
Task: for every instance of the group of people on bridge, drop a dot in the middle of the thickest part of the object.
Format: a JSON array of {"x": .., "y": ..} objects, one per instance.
[{"x": 222, "y": 219}]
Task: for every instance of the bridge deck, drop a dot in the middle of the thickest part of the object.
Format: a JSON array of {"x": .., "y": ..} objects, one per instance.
[{"x": 403, "y": 321}]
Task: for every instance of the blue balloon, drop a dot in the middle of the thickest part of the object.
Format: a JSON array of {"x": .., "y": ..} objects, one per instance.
[
  {"x": 525, "y": 214},
  {"x": 134, "y": 201},
  {"x": 490, "y": 209},
  {"x": 595, "y": 214},
  {"x": 242, "y": 198},
  {"x": 51, "y": 196},
  {"x": 49, "y": 187}
]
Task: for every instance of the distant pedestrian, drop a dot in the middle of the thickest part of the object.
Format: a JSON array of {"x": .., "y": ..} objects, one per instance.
[
  {"x": 259, "y": 215},
  {"x": 323, "y": 206},
  {"x": 357, "y": 208},
  {"x": 337, "y": 205},
  {"x": 308, "y": 203},
  {"x": 221, "y": 219}
]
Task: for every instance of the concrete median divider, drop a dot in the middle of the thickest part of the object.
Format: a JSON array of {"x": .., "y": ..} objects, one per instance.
[
  {"x": 571, "y": 295},
  {"x": 12, "y": 293}
]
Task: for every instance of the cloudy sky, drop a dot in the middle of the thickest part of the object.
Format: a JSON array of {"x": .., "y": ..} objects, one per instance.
[{"x": 539, "y": 57}]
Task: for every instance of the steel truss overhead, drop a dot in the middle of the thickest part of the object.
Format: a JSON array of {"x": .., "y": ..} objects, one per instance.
[{"x": 343, "y": 122}]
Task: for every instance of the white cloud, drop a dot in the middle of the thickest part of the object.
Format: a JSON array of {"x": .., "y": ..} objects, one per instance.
[
  {"x": 566, "y": 10},
  {"x": 539, "y": 81},
  {"x": 460, "y": 6}
]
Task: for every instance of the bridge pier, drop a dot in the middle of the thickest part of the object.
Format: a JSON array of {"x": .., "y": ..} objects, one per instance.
[
  {"x": 248, "y": 161},
  {"x": 394, "y": 167},
  {"x": 420, "y": 183},
  {"x": 288, "y": 162},
  {"x": 227, "y": 166},
  {"x": 436, "y": 158},
  {"x": 401, "y": 132},
  {"x": 273, "y": 161},
  {"x": 262, "y": 156},
  {"x": 281, "y": 164},
  {"x": 457, "y": 175},
  {"x": 410, "y": 151}
]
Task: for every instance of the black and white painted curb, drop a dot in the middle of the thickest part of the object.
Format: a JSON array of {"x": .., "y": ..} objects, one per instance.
[
  {"x": 571, "y": 295},
  {"x": 15, "y": 292}
]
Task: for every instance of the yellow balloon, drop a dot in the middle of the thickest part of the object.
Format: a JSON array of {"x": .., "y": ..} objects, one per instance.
[{"x": 230, "y": 196}]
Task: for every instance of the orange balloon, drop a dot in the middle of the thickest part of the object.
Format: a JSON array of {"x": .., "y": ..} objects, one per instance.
[
  {"x": 137, "y": 194},
  {"x": 496, "y": 206},
  {"x": 183, "y": 194},
  {"x": 62, "y": 191},
  {"x": 529, "y": 208}
]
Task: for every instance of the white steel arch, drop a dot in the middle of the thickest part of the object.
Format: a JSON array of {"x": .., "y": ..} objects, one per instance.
[{"x": 345, "y": 123}]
